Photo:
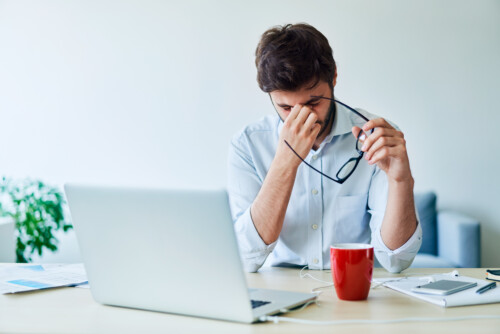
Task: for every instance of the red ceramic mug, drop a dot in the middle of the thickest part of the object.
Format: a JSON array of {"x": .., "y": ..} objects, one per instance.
[{"x": 352, "y": 269}]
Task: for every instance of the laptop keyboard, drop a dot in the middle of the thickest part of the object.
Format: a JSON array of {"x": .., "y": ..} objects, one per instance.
[{"x": 258, "y": 303}]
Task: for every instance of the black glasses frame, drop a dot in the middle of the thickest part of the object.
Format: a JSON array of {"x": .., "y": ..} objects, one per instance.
[{"x": 339, "y": 180}]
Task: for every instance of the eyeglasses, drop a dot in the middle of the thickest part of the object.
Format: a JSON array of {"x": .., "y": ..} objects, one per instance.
[{"x": 350, "y": 166}]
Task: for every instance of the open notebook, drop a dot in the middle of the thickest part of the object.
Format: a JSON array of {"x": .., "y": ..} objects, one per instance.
[{"x": 462, "y": 298}]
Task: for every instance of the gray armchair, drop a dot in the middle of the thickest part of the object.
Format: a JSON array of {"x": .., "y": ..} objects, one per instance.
[{"x": 450, "y": 239}]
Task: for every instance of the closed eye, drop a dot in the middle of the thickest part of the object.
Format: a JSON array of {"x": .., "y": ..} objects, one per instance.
[{"x": 288, "y": 108}]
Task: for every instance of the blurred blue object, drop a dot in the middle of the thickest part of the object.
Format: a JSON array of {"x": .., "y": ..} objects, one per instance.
[{"x": 450, "y": 239}]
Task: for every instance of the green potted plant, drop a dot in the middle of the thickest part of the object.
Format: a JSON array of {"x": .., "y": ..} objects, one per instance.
[{"x": 37, "y": 211}]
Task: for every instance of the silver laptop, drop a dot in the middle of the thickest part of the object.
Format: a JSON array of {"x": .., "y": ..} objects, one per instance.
[{"x": 172, "y": 251}]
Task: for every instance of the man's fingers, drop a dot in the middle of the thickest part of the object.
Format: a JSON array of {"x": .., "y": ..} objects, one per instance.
[
  {"x": 302, "y": 115},
  {"x": 379, "y": 132},
  {"x": 377, "y": 123},
  {"x": 384, "y": 153},
  {"x": 293, "y": 113},
  {"x": 382, "y": 142},
  {"x": 310, "y": 121},
  {"x": 355, "y": 131},
  {"x": 315, "y": 131}
]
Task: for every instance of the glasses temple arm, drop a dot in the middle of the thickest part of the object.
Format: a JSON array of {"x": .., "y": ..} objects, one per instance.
[
  {"x": 345, "y": 105},
  {"x": 309, "y": 164}
]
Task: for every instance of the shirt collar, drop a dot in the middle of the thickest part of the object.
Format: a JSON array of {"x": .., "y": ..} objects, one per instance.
[{"x": 342, "y": 123}]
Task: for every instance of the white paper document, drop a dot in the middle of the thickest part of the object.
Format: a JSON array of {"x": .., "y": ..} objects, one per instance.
[
  {"x": 20, "y": 278},
  {"x": 462, "y": 298}
]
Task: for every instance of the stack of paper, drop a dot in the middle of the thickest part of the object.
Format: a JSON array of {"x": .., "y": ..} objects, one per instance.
[
  {"x": 19, "y": 278},
  {"x": 462, "y": 298}
]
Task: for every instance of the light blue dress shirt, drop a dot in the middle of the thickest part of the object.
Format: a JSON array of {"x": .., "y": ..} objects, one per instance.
[{"x": 320, "y": 212}]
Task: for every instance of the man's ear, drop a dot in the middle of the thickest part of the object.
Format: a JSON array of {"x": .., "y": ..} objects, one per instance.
[{"x": 335, "y": 77}]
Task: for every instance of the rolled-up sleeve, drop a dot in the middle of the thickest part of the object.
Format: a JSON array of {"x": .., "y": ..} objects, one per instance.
[
  {"x": 398, "y": 259},
  {"x": 243, "y": 186}
]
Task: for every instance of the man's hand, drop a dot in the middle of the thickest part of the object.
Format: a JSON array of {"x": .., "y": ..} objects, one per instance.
[
  {"x": 386, "y": 147},
  {"x": 300, "y": 130},
  {"x": 268, "y": 210}
]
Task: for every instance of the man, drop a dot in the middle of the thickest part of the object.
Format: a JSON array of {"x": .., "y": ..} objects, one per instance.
[{"x": 286, "y": 212}]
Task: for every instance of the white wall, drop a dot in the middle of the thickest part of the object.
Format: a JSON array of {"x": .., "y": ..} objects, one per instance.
[{"x": 150, "y": 92}]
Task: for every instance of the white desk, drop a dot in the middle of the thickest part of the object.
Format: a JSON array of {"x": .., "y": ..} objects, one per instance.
[{"x": 72, "y": 310}]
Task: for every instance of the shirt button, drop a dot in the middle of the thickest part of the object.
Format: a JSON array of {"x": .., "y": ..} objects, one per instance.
[
  {"x": 315, "y": 157},
  {"x": 315, "y": 261},
  {"x": 314, "y": 226},
  {"x": 314, "y": 192}
]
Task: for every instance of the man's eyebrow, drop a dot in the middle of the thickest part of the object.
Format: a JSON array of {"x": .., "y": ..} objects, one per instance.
[{"x": 314, "y": 99}]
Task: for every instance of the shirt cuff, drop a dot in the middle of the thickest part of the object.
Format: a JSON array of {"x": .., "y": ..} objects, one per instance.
[
  {"x": 401, "y": 258},
  {"x": 253, "y": 250}
]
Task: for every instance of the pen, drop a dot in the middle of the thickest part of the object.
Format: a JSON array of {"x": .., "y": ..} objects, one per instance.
[{"x": 487, "y": 287}]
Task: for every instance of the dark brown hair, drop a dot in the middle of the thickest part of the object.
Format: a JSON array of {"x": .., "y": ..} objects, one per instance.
[{"x": 292, "y": 56}]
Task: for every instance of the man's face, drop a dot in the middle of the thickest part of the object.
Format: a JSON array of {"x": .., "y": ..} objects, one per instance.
[{"x": 284, "y": 101}]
